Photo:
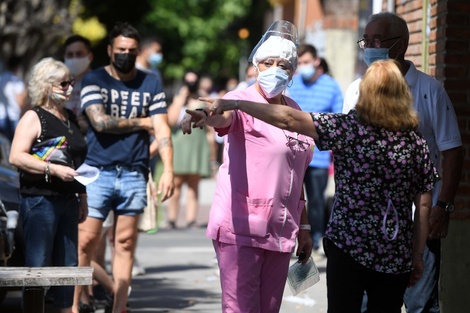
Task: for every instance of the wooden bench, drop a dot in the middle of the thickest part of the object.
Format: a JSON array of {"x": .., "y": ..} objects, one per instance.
[{"x": 35, "y": 279}]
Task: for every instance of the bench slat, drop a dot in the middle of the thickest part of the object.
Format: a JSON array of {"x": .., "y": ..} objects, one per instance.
[{"x": 45, "y": 276}]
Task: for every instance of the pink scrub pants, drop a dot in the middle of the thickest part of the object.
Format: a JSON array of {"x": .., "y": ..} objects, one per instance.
[{"x": 252, "y": 279}]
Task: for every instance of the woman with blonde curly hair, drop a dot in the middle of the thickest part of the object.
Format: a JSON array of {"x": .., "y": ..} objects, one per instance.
[
  {"x": 47, "y": 148},
  {"x": 382, "y": 167}
]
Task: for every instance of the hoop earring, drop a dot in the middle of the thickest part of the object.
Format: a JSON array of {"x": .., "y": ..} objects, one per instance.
[{"x": 290, "y": 83}]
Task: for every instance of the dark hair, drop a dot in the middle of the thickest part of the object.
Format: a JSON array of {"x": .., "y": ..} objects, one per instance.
[
  {"x": 14, "y": 62},
  {"x": 77, "y": 38},
  {"x": 324, "y": 65},
  {"x": 147, "y": 41},
  {"x": 304, "y": 48},
  {"x": 126, "y": 30}
]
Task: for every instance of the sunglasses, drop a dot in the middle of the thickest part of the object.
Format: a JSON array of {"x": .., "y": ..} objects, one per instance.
[
  {"x": 297, "y": 143},
  {"x": 67, "y": 83}
]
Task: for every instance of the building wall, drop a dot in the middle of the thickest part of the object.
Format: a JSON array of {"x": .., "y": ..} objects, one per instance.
[
  {"x": 332, "y": 29},
  {"x": 447, "y": 58}
]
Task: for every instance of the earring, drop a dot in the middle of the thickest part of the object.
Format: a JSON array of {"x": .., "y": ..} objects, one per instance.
[{"x": 290, "y": 83}]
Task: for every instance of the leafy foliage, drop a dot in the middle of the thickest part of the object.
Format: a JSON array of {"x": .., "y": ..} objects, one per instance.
[
  {"x": 202, "y": 31},
  {"x": 34, "y": 29},
  {"x": 196, "y": 34}
]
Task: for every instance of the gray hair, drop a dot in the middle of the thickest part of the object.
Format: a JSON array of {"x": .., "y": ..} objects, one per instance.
[{"x": 46, "y": 72}]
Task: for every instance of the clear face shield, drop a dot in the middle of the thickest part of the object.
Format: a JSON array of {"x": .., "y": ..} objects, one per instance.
[{"x": 281, "y": 29}]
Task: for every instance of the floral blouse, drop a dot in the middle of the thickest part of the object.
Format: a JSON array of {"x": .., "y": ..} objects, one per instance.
[{"x": 378, "y": 173}]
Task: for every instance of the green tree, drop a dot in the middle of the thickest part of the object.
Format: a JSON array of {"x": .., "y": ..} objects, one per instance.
[
  {"x": 201, "y": 31},
  {"x": 34, "y": 29},
  {"x": 197, "y": 34}
]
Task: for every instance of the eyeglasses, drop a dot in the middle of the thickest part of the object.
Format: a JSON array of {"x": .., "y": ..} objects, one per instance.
[
  {"x": 296, "y": 143},
  {"x": 67, "y": 83},
  {"x": 374, "y": 42}
]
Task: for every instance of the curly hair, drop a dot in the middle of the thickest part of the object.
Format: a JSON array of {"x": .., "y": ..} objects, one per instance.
[
  {"x": 45, "y": 73},
  {"x": 385, "y": 99}
]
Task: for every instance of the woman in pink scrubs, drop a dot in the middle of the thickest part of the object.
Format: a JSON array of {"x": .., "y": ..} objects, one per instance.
[{"x": 258, "y": 211}]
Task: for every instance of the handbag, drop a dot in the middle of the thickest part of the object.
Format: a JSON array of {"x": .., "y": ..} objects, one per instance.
[
  {"x": 148, "y": 219},
  {"x": 55, "y": 150}
]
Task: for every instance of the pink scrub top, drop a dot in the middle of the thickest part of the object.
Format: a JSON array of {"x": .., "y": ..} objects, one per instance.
[{"x": 257, "y": 198}]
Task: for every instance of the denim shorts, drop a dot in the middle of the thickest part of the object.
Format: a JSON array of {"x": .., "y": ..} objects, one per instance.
[
  {"x": 50, "y": 229},
  {"x": 117, "y": 188}
]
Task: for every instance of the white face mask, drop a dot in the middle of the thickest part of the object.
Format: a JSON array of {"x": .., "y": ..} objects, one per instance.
[
  {"x": 77, "y": 65},
  {"x": 273, "y": 81},
  {"x": 61, "y": 96}
]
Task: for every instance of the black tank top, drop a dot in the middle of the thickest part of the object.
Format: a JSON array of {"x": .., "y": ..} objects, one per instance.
[{"x": 52, "y": 127}]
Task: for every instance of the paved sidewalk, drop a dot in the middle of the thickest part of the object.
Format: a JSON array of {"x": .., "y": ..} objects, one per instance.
[{"x": 182, "y": 274}]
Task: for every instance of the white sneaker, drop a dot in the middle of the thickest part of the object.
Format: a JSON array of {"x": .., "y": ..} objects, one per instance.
[{"x": 137, "y": 270}]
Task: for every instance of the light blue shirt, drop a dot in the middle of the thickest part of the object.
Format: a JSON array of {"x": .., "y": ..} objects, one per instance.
[{"x": 322, "y": 96}]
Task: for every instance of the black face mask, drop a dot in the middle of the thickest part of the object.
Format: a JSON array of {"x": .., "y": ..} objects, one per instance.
[
  {"x": 124, "y": 62},
  {"x": 192, "y": 87}
]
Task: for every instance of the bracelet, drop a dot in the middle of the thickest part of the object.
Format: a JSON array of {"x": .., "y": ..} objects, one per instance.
[
  {"x": 205, "y": 112},
  {"x": 305, "y": 227},
  {"x": 236, "y": 104},
  {"x": 47, "y": 173}
]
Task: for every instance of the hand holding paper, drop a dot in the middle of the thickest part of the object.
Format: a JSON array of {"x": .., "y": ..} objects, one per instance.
[
  {"x": 87, "y": 174},
  {"x": 302, "y": 276}
]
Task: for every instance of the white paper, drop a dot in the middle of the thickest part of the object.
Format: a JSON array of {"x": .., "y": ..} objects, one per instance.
[
  {"x": 302, "y": 276},
  {"x": 87, "y": 174}
]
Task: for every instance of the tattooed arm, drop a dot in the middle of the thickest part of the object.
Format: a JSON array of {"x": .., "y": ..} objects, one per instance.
[
  {"x": 165, "y": 148},
  {"x": 105, "y": 123}
]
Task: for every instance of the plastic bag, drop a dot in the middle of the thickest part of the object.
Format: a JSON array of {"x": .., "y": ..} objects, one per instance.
[{"x": 302, "y": 276}]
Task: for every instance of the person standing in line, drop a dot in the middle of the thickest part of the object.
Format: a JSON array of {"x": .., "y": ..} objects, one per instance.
[
  {"x": 53, "y": 203},
  {"x": 192, "y": 154},
  {"x": 383, "y": 166},
  {"x": 78, "y": 57},
  {"x": 250, "y": 77},
  {"x": 315, "y": 91},
  {"x": 258, "y": 211},
  {"x": 386, "y": 36},
  {"x": 13, "y": 94},
  {"x": 150, "y": 56},
  {"x": 122, "y": 105}
]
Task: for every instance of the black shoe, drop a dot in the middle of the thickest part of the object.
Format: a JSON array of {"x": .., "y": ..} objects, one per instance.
[
  {"x": 108, "y": 308},
  {"x": 191, "y": 224},
  {"x": 86, "y": 308}
]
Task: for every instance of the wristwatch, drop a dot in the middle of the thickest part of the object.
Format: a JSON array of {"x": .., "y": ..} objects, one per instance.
[{"x": 448, "y": 206}]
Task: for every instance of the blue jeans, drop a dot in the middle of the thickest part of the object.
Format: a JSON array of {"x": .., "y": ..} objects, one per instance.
[
  {"x": 424, "y": 296},
  {"x": 50, "y": 227},
  {"x": 118, "y": 188},
  {"x": 316, "y": 180}
]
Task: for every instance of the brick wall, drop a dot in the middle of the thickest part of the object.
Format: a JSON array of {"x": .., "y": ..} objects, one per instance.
[
  {"x": 339, "y": 14},
  {"x": 449, "y": 62}
]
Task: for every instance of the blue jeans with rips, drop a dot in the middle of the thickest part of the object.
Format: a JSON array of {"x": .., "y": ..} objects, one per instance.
[
  {"x": 316, "y": 180},
  {"x": 50, "y": 227}
]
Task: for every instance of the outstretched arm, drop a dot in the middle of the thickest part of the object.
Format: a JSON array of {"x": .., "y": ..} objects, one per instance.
[{"x": 278, "y": 115}]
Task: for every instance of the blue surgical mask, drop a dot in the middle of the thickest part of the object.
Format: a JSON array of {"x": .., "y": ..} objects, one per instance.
[
  {"x": 307, "y": 71},
  {"x": 273, "y": 81},
  {"x": 375, "y": 54},
  {"x": 155, "y": 59},
  {"x": 251, "y": 81}
]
